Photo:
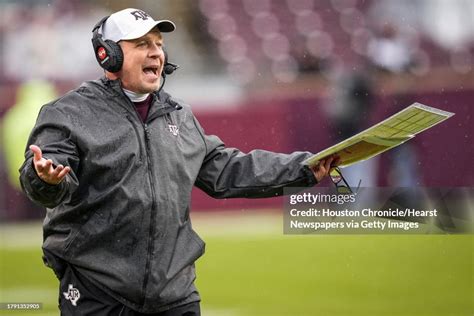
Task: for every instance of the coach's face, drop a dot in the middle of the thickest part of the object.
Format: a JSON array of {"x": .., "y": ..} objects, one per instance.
[{"x": 143, "y": 62}]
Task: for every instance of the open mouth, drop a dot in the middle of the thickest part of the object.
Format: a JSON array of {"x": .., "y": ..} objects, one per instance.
[{"x": 151, "y": 70}]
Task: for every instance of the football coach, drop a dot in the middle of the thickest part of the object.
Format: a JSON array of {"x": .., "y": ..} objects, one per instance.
[{"x": 114, "y": 161}]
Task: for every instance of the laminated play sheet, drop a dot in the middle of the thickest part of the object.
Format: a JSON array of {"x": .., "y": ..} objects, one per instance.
[{"x": 383, "y": 136}]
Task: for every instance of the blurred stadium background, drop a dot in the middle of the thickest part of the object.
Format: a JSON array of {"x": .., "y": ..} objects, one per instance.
[{"x": 280, "y": 75}]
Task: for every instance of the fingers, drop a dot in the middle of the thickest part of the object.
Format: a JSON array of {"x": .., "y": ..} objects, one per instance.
[
  {"x": 63, "y": 173},
  {"x": 49, "y": 174},
  {"x": 45, "y": 168},
  {"x": 43, "y": 165},
  {"x": 60, "y": 172},
  {"x": 336, "y": 161},
  {"x": 55, "y": 172},
  {"x": 324, "y": 167},
  {"x": 36, "y": 152},
  {"x": 327, "y": 164}
]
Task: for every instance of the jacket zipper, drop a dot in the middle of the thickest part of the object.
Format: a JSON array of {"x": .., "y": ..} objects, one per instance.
[
  {"x": 168, "y": 119},
  {"x": 151, "y": 232}
]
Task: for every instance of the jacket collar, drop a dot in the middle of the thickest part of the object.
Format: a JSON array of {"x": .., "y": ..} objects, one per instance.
[{"x": 162, "y": 102}]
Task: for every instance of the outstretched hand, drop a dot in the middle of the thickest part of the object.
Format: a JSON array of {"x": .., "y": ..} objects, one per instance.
[
  {"x": 324, "y": 166},
  {"x": 45, "y": 168}
]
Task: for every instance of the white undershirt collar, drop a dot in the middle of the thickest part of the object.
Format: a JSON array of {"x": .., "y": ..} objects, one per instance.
[{"x": 135, "y": 97}]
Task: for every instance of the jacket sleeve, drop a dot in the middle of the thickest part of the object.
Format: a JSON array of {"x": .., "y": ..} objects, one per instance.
[
  {"x": 228, "y": 172},
  {"x": 52, "y": 134}
]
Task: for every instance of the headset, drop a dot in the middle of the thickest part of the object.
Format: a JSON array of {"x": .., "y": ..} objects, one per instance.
[{"x": 109, "y": 54}]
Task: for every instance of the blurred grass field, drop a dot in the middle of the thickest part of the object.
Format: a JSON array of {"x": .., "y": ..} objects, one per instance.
[{"x": 251, "y": 268}]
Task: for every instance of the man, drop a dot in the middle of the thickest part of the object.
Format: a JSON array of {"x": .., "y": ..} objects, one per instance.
[{"x": 114, "y": 162}]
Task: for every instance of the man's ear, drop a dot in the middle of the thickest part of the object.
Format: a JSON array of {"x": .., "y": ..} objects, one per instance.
[{"x": 113, "y": 75}]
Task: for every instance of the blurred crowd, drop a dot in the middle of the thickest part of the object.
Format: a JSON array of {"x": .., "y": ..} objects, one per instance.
[{"x": 247, "y": 39}]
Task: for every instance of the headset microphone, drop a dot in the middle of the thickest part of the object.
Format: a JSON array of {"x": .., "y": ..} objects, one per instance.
[{"x": 169, "y": 68}]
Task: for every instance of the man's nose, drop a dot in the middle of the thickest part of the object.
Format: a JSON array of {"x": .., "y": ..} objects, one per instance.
[{"x": 155, "y": 51}]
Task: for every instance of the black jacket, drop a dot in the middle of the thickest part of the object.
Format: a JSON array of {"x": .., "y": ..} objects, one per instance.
[{"x": 121, "y": 216}]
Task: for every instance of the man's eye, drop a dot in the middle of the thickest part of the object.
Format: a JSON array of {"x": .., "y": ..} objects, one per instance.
[{"x": 141, "y": 44}]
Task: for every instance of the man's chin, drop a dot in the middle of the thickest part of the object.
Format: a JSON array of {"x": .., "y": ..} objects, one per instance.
[{"x": 149, "y": 88}]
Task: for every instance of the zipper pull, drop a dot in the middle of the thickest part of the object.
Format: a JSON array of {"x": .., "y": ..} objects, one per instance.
[{"x": 147, "y": 132}]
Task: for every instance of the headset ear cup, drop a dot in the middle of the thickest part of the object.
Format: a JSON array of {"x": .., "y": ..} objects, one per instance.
[
  {"x": 116, "y": 56},
  {"x": 108, "y": 53}
]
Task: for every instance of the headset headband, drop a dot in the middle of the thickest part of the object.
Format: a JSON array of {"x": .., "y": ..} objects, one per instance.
[{"x": 96, "y": 27}]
